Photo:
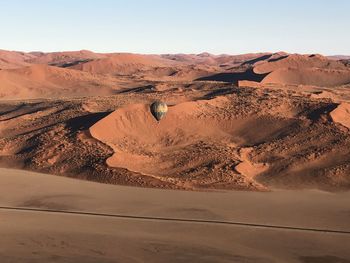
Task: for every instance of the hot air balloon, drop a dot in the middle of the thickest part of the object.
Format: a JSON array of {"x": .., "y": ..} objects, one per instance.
[{"x": 158, "y": 109}]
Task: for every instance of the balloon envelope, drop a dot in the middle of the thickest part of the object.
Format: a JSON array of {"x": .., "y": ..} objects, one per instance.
[{"x": 158, "y": 109}]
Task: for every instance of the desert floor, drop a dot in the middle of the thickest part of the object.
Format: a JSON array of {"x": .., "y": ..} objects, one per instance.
[{"x": 46, "y": 218}]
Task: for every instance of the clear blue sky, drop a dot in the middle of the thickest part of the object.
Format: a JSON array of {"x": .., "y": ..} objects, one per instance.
[{"x": 176, "y": 26}]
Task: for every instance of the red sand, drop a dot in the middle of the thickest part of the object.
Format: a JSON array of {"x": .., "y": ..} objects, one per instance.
[
  {"x": 342, "y": 114},
  {"x": 290, "y": 130}
]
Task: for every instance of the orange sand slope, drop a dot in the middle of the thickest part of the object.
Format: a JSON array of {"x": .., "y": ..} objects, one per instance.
[
  {"x": 186, "y": 141},
  {"x": 201, "y": 141},
  {"x": 304, "y": 70},
  {"x": 308, "y": 76},
  {"x": 124, "y": 64},
  {"x": 12, "y": 59},
  {"x": 68, "y": 238},
  {"x": 297, "y": 61},
  {"x": 42, "y": 81},
  {"x": 64, "y": 59},
  {"x": 145, "y": 146},
  {"x": 342, "y": 114}
]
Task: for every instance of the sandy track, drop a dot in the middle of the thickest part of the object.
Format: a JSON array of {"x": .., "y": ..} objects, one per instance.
[
  {"x": 31, "y": 236},
  {"x": 172, "y": 219}
]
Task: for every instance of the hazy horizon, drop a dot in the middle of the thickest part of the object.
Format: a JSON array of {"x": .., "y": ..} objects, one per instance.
[
  {"x": 177, "y": 53},
  {"x": 164, "y": 27}
]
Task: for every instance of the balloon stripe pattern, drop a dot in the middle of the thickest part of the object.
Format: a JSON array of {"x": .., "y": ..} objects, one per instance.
[{"x": 158, "y": 109}]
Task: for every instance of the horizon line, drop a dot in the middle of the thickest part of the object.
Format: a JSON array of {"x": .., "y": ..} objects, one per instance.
[{"x": 174, "y": 53}]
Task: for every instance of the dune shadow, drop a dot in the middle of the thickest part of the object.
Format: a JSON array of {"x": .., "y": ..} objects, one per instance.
[
  {"x": 253, "y": 61},
  {"x": 70, "y": 64},
  {"x": 234, "y": 77},
  {"x": 145, "y": 89},
  {"x": 317, "y": 113},
  {"x": 346, "y": 62},
  {"x": 86, "y": 121},
  {"x": 277, "y": 59},
  {"x": 13, "y": 109},
  {"x": 219, "y": 92},
  {"x": 36, "y": 131},
  {"x": 21, "y": 114}
]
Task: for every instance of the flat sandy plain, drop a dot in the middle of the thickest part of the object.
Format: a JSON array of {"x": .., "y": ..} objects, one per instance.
[{"x": 46, "y": 218}]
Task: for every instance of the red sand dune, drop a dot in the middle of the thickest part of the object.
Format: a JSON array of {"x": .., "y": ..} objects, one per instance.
[
  {"x": 304, "y": 70},
  {"x": 308, "y": 76},
  {"x": 124, "y": 64},
  {"x": 342, "y": 114},
  {"x": 64, "y": 58},
  {"x": 193, "y": 143},
  {"x": 210, "y": 59},
  {"x": 142, "y": 144},
  {"x": 178, "y": 73},
  {"x": 298, "y": 61},
  {"x": 42, "y": 81},
  {"x": 280, "y": 67},
  {"x": 14, "y": 59}
]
